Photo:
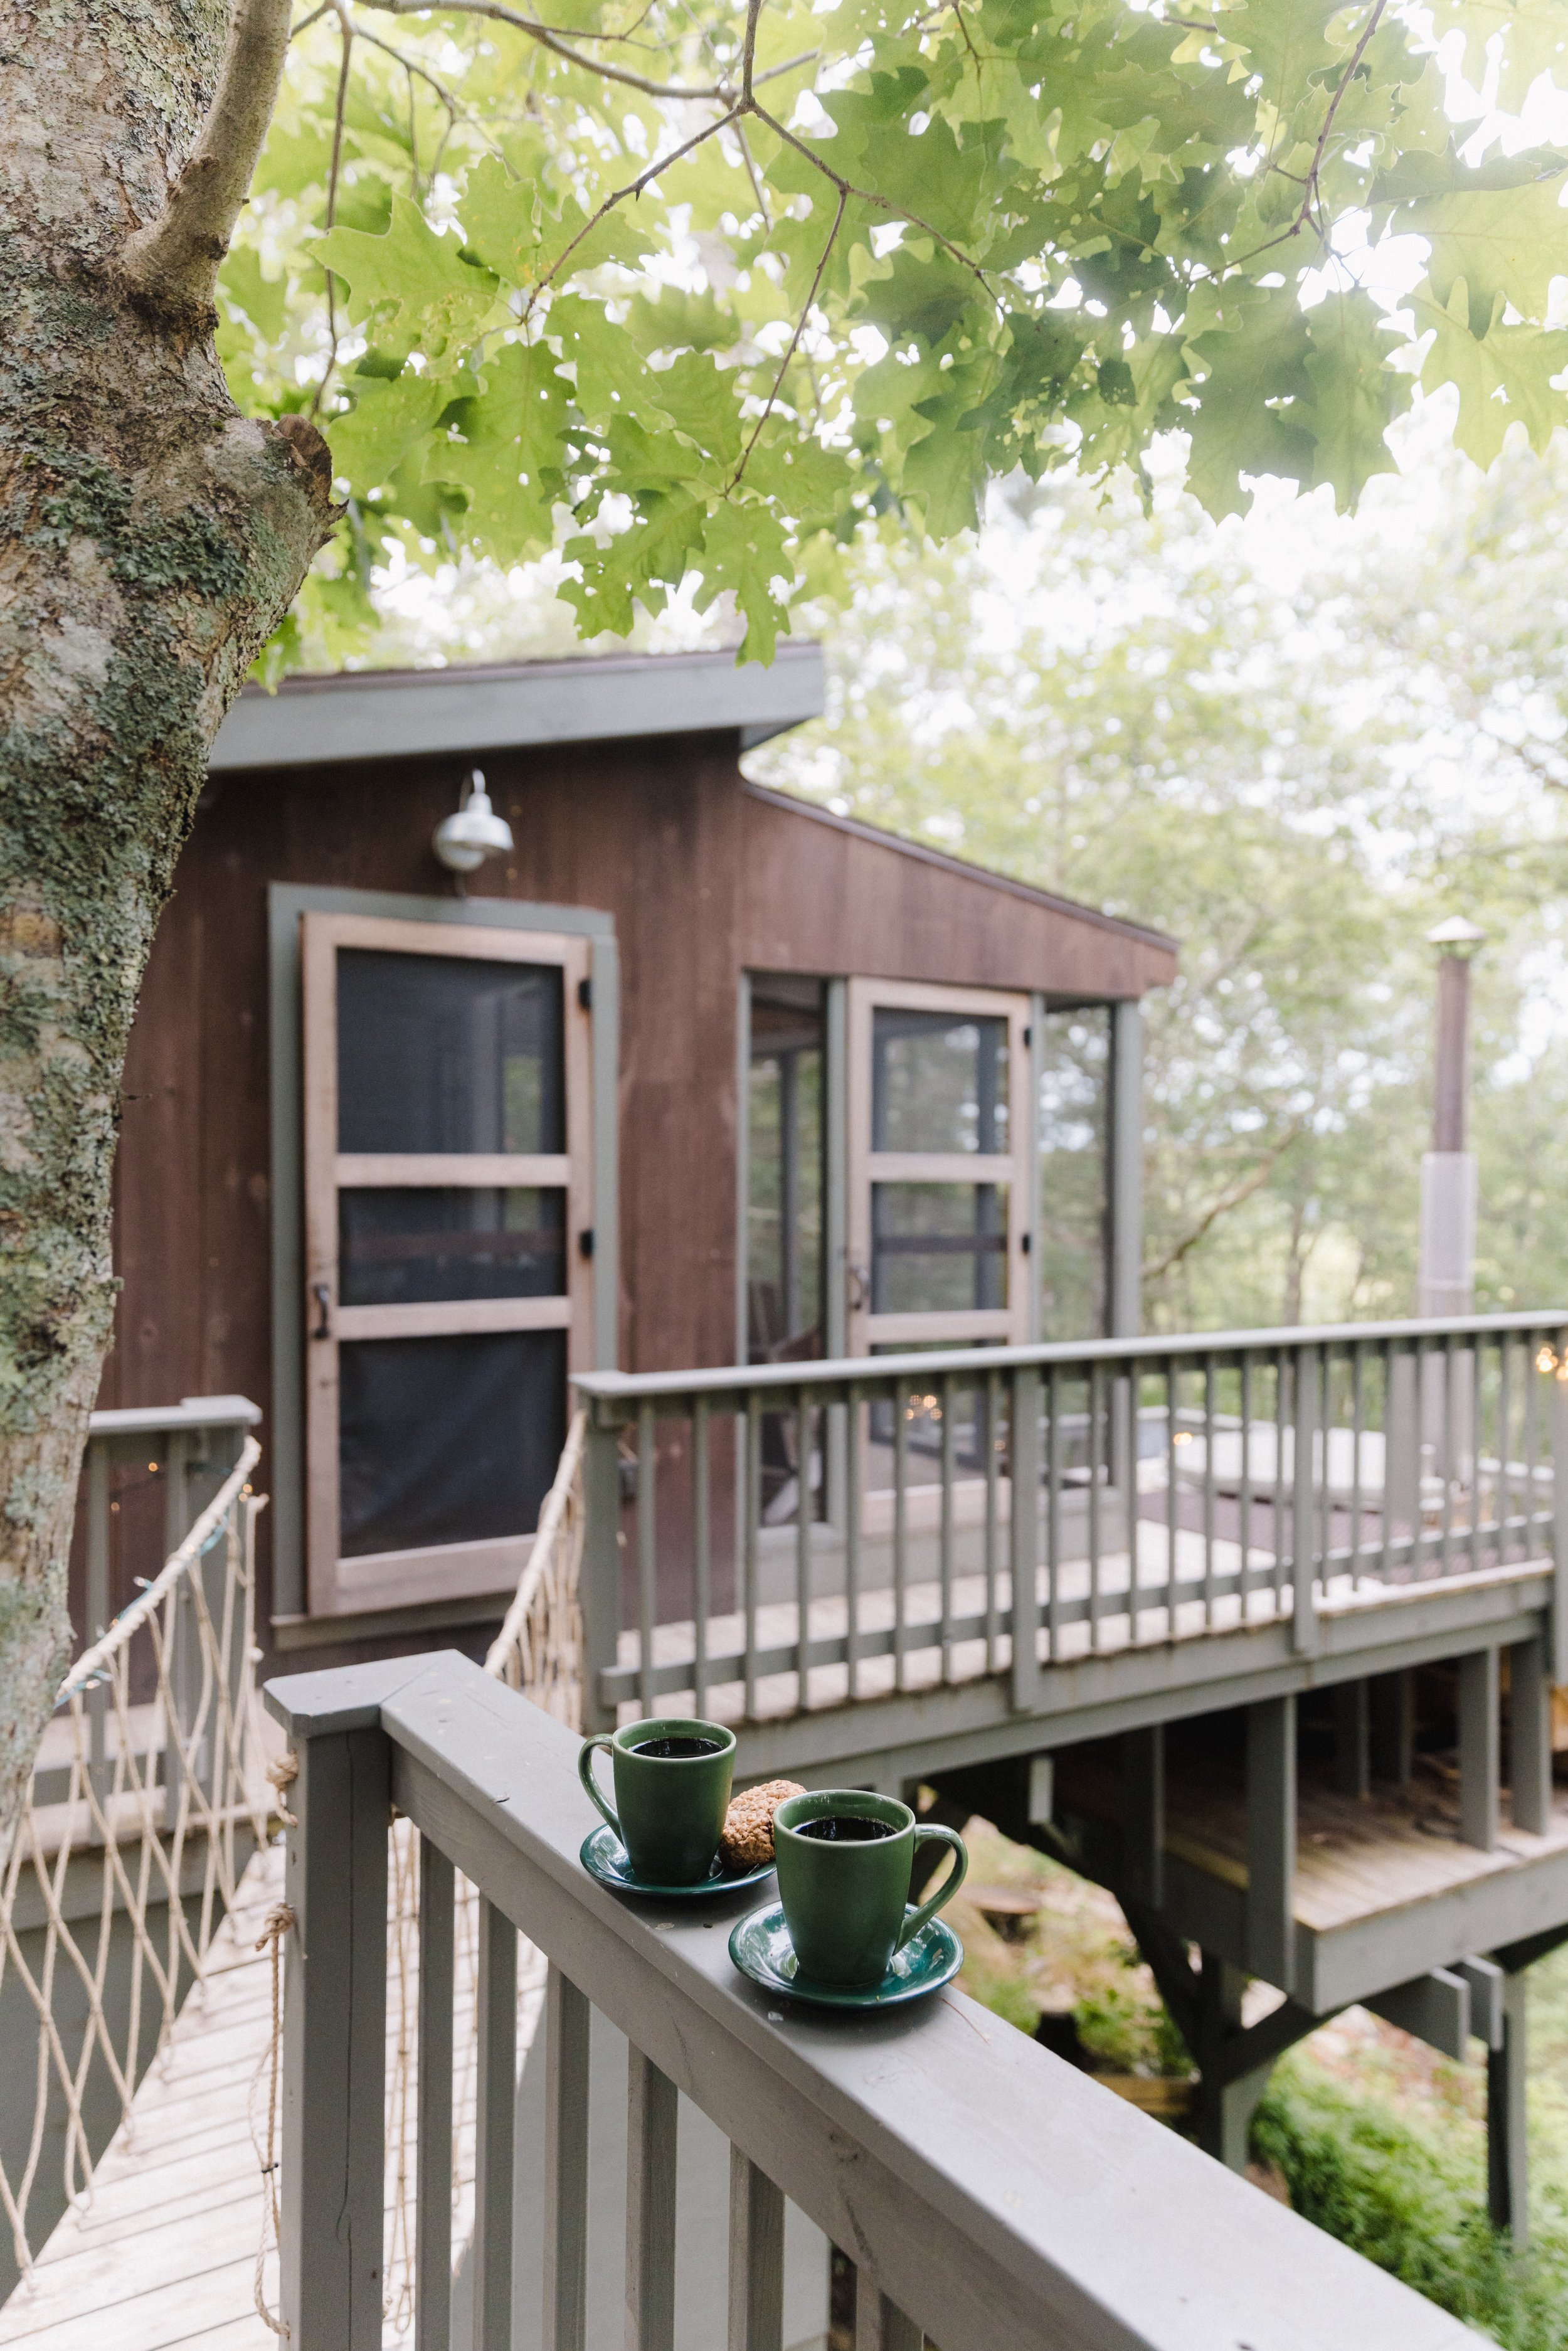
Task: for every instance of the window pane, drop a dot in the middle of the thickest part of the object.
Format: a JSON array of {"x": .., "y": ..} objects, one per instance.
[
  {"x": 447, "y": 1440},
  {"x": 938, "y": 1084},
  {"x": 1075, "y": 1050},
  {"x": 440, "y": 1054},
  {"x": 938, "y": 1248},
  {"x": 784, "y": 1205},
  {"x": 412, "y": 1243}
]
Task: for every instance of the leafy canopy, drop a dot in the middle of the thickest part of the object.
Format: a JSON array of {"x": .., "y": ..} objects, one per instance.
[{"x": 680, "y": 288}]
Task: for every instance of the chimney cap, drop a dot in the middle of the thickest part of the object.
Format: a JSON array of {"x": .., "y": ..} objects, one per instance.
[{"x": 1458, "y": 935}]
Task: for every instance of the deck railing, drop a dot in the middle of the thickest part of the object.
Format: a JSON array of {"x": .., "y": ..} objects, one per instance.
[
  {"x": 805, "y": 1535},
  {"x": 147, "y": 1801},
  {"x": 989, "y": 2194}
]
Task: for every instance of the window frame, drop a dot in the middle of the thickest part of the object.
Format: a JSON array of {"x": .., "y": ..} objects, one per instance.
[
  {"x": 457, "y": 1572},
  {"x": 1010, "y": 1324}
]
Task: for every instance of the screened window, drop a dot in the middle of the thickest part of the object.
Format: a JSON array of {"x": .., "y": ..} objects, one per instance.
[{"x": 1074, "y": 1142}]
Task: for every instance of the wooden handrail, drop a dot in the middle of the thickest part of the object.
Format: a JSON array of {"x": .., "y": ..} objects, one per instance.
[{"x": 991, "y": 2194}]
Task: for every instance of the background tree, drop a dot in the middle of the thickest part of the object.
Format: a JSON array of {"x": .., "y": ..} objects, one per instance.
[
  {"x": 1296, "y": 747},
  {"x": 694, "y": 289}
]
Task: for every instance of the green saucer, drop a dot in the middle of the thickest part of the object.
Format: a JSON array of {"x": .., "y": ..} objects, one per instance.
[
  {"x": 761, "y": 1948},
  {"x": 605, "y": 1856}
]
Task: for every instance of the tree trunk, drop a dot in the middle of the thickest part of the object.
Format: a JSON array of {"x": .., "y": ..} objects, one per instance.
[{"x": 151, "y": 539}]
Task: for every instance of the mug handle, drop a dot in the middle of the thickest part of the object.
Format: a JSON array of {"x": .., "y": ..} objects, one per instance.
[
  {"x": 585, "y": 1773},
  {"x": 949, "y": 1885}
]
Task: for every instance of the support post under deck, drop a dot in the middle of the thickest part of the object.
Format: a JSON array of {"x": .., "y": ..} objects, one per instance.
[
  {"x": 1392, "y": 1706},
  {"x": 1353, "y": 1739},
  {"x": 1480, "y": 1759},
  {"x": 1272, "y": 1839},
  {"x": 1530, "y": 1736},
  {"x": 1507, "y": 2150}
]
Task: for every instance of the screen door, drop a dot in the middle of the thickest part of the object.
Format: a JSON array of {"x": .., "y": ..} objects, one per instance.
[
  {"x": 939, "y": 1166},
  {"x": 448, "y": 1217}
]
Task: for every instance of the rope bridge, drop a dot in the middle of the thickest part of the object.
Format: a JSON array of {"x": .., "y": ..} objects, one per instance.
[
  {"x": 145, "y": 1851},
  {"x": 141, "y": 1818}
]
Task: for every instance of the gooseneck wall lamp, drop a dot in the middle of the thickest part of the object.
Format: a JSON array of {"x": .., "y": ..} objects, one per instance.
[{"x": 463, "y": 842}]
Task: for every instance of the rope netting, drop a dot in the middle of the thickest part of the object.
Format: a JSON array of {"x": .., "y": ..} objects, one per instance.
[
  {"x": 538, "y": 1648},
  {"x": 147, "y": 1803},
  {"x": 151, "y": 1812}
]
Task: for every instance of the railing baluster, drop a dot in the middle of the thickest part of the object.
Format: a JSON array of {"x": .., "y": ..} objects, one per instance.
[
  {"x": 1447, "y": 1462},
  {"x": 496, "y": 2001},
  {"x": 802, "y": 1545},
  {"x": 755, "y": 2258},
  {"x": 1096, "y": 1400},
  {"x": 1024, "y": 1443},
  {"x": 1208, "y": 1490},
  {"x": 901, "y": 1412},
  {"x": 98, "y": 1611},
  {"x": 1282, "y": 1378},
  {"x": 1357, "y": 1425},
  {"x": 1244, "y": 1491},
  {"x": 1501, "y": 1492},
  {"x": 1303, "y": 1634},
  {"x": 880, "y": 2324},
  {"x": 1385, "y": 1508},
  {"x": 702, "y": 1546},
  {"x": 751, "y": 1513},
  {"x": 1172, "y": 1501},
  {"x": 647, "y": 1549},
  {"x": 1477, "y": 1396},
  {"x": 1559, "y": 1443},
  {"x": 433, "y": 2160},
  {"x": 1053, "y": 1516},
  {"x": 992, "y": 1425},
  {"x": 945, "y": 1398},
  {"x": 652, "y": 2113},
  {"x": 566, "y": 2024},
  {"x": 1532, "y": 1444},
  {"x": 852, "y": 1460}
]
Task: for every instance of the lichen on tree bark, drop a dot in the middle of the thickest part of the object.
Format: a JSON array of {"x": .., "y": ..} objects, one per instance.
[{"x": 151, "y": 539}]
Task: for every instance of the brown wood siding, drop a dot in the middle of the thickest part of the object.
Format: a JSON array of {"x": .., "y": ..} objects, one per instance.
[
  {"x": 702, "y": 879},
  {"x": 822, "y": 897}
]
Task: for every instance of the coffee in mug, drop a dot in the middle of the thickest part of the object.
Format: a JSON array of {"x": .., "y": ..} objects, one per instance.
[
  {"x": 843, "y": 1858},
  {"x": 671, "y": 1791}
]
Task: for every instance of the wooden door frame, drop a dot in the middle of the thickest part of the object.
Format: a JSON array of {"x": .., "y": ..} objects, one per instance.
[
  {"x": 1011, "y": 1323},
  {"x": 454, "y": 1571}
]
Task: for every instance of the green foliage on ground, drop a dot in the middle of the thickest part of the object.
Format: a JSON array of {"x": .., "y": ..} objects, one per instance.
[
  {"x": 693, "y": 293},
  {"x": 1376, "y": 2139},
  {"x": 1401, "y": 2193}
]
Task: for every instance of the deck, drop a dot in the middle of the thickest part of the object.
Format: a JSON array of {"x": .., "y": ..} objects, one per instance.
[{"x": 163, "y": 2251}]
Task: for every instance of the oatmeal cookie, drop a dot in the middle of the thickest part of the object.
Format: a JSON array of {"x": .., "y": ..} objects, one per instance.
[{"x": 748, "y": 1839}]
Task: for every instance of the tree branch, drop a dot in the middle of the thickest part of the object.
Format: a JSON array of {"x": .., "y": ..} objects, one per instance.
[
  {"x": 1253, "y": 1182},
  {"x": 793, "y": 345},
  {"x": 549, "y": 39},
  {"x": 173, "y": 264}
]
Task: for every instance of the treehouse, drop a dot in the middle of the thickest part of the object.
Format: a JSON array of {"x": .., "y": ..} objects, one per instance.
[
  {"x": 701, "y": 1240},
  {"x": 694, "y": 1073}
]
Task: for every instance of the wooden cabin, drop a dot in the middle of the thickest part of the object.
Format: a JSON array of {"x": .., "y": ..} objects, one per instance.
[{"x": 695, "y": 1073}]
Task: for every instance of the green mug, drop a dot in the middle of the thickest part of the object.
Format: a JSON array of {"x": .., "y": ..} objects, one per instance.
[
  {"x": 671, "y": 1791},
  {"x": 843, "y": 1858}
]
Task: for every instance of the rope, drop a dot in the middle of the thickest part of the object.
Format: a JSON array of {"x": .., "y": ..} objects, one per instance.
[
  {"x": 538, "y": 1648},
  {"x": 279, "y": 1921},
  {"x": 155, "y": 1749}
]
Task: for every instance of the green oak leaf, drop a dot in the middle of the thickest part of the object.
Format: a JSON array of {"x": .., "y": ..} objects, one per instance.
[
  {"x": 1503, "y": 377},
  {"x": 743, "y": 551},
  {"x": 1241, "y": 420},
  {"x": 510, "y": 457},
  {"x": 1356, "y": 393},
  {"x": 431, "y": 295},
  {"x": 373, "y": 438},
  {"x": 1509, "y": 243}
]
